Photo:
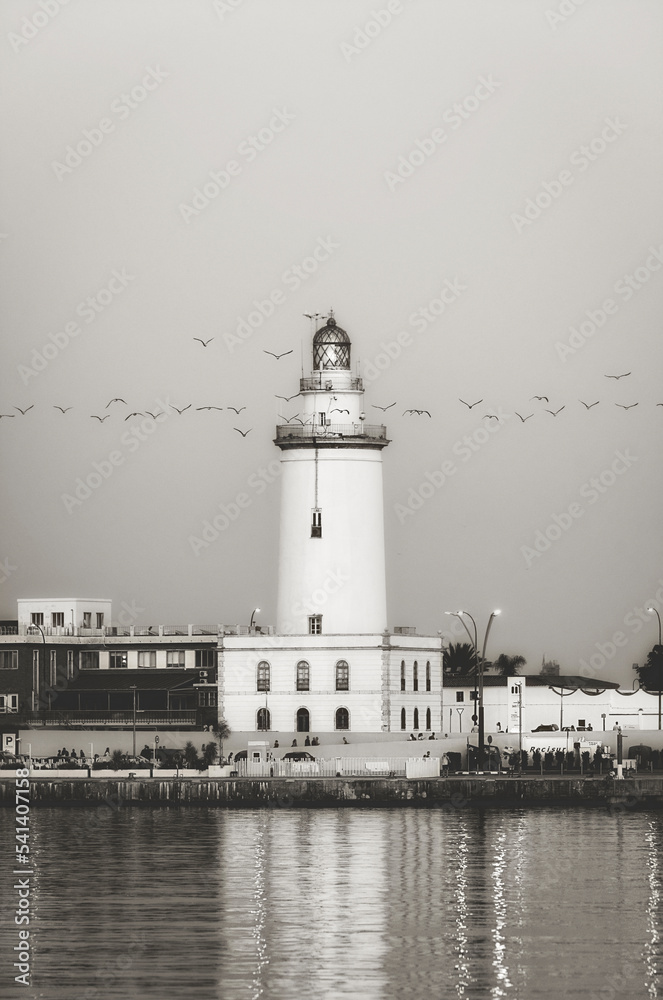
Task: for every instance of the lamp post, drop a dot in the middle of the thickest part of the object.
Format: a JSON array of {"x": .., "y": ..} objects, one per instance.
[
  {"x": 650, "y": 609},
  {"x": 43, "y": 639},
  {"x": 132, "y": 687},
  {"x": 474, "y": 641},
  {"x": 493, "y": 614},
  {"x": 256, "y": 611}
]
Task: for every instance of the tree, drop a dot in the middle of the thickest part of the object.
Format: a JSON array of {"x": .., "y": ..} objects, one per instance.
[
  {"x": 210, "y": 753},
  {"x": 222, "y": 731},
  {"x": 459, "y": 660},
  {"x": 191, "y": 755},
  {"x": 508, "y": 666},
  {"x": 650, "y": 675}
]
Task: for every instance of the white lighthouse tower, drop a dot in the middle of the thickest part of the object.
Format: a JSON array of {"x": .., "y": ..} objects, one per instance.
[{"x": 331, "y": 563}]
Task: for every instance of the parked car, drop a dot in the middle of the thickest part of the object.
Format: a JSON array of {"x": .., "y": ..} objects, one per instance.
[
  {"x": 546, "y": 729},
  {"x": 298, "y": 755}
]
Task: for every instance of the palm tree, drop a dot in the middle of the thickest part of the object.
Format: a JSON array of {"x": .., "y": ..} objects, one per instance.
[
  {"x": 459, "y": 660},
  {"x": 508, "y": 666},
  {"x": 222, "y": 731},
  {"x": 651, "y": 675}
]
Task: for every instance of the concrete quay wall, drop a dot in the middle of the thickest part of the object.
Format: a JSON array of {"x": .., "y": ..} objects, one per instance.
[{"x": 453, "y": 792}]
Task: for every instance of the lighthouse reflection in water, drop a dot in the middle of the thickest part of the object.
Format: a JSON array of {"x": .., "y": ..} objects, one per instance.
[{"x": 293, "y": 902}]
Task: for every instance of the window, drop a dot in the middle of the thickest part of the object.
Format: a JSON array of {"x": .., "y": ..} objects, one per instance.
[
  {"x": 8, "y": 703},
  {"x": 403, "y": 719},
  {"x": 581, "y": 723},
  {"x": 100, "y": 619},
  {"x": 342, "y": 676},
  {"x": 175, "y": 658},
  {"x": 515, "y": 689},
  {"x": 415, "y": 676},
  {"x": 57, "y": 619},
  {"x": 87, "y": 619},
  {"x": 473, "y": 695},
  {"x": 322, "y": 419},
  {"x": 9, "y": 659},
  {"x": 342, "y": 718},
  {"x": 303, "y": 675},
  {"x": 37, "y": 618},
  {"x": 52, "y": 670},
  {"x": 70, "y": 664},
  {"x": 428, "y": 675},
  {"x": 89, "y": 659},
  {"x": 460, "y": 696},
  {"x": 118, "y": 660},
  {"x": 428, "y": 719},
  {"x": 315, "y": 625},
  {"x": 415, "y": 720},
  {"x": 303, "y": 720},
  {"x": 316, "y": 523},
  {"x": 147, "y": 658},
  {"x": 207, "y": 699},
  {"x": 403, "y": 677},
  {"x": 263, "y": 680},
  {"x": 263, "y": 720},
  {"x": 205, "y": 657}
]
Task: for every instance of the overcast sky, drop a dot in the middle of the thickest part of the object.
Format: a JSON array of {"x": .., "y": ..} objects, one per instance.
[{"x": 471, "y": 182}]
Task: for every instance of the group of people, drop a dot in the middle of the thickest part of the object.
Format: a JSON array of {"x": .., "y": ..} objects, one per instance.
[
  {"x": 308, "y": 742},
  {"x": 421, "y": 736}
]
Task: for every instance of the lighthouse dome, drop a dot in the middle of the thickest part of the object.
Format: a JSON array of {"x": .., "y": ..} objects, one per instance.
[{"x": 331, "y": 347}]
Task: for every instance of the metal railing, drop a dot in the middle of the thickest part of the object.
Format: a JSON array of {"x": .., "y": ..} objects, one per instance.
[
  {"x": 321, "y": 381},
  {"x": 323, "y": 768},
  {"x": 114, "y": 717},
  {"x": 107, "y": 631},
  {"x": 374, "y": 432}
]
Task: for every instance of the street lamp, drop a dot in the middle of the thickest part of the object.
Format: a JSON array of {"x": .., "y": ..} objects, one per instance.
[
  {"x": 493, "y": 614},
  {"x": 132, "y": 687},
  {"x": 659, "y": 623},
  {"x": 458, "y": 615},
  {"x": 256, "y": 611}
]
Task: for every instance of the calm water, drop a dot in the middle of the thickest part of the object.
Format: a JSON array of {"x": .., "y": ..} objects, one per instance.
[{"x": 297, "y": 903}]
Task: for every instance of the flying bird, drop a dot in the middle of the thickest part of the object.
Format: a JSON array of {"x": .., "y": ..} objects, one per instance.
[
  {"x": 209, "y": 407},
  {"x": 287, "y": 399},
  {"x": 235, "y": 410},
  {"x": 336, "y": 410},
  {"x": 618, "y": 376},
  {"x": 135, "y": 414},
  {"x": 418, "y": 412},
  {"x": 490, "y": 416},
  {"x": 116, "y": 400},
  {"x": 312, "y": 315},
  {"x": 629, "y": 407},
  {"x": 555, "y": 412},
  {"x": 100, "y": 419},
  {"x": 470, "y": 405},
  {"x": 384, "y": 408},
  {"x": 153, "y": 415},
  {"x": 524, "y": 418},
  {"x": 588, "y": 406},
  {"x": 63, "y": 409},
  {"x": 204, "y": 342},
  {"x": 183, "y": 408},
  {"x": 23, "y": 412},
  {"x": 277, "y": 356},
  {"x": 243, "y": 433},
  {"x": 7, "y": 414},
  {"x": 288, "y": 419},
  {"x": 540, "y": 397}
]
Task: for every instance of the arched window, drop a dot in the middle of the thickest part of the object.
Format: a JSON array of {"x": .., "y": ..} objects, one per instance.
[
  {"x": 402, "y": 675},
  {"x": 303, "y": 720},
  {"x": 264, "y": 721},
  {"x": 428, "y": 726},
  {"x": 415, "y": 676},
  {"x": 303, "y": 675},
  {"x": 342, "y": 676},
  {"x": 415, "y": 720},
  {"x": 403, "y": 719},
  {"x": 342, "y": 718},
  {"x": 428, "y": 675},
  {"x": 263, "y": 677}
]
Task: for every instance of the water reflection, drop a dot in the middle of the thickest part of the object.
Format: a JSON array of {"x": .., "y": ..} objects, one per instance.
[{"x": 273, "y": 904}]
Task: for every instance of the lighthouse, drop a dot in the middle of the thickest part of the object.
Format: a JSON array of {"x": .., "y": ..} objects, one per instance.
[{"x": 331, "y": 578}]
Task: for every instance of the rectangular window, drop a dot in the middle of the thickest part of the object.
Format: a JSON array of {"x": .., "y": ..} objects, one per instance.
[
  {"x": 87, "y": 619},
  {"x": 263, "y": 676},
  {"x": 315, "y": 625},
  {"x": 147, "y": 658},
  {"x": 8, "y": 703},
  {"x": 427, "y": 676},
  {"x": 460, "y": 696},
  {"x": 100, "y": 619},
  {"x": 322, "y": 419},
  {"x": 57, "y": 619},
  {"x": 70, "y": 664},
  {"x": 53, "y": 669},
  {"x": 89, "y": 659},
  {"x": 37, "y": 618},
  {"x": 9, "y": 659},
  {"x": 402, "y": 675},
  {"x": 207, "y": 699},
  {"x": 415, "y": 677},
  {"x": 473, "y": 695},
  {"x": 118, "y": 660},
  {"x": 175, "y": 658},
  {"x": 205, "y": 657},
  {"x": 316, "y": 523}
]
